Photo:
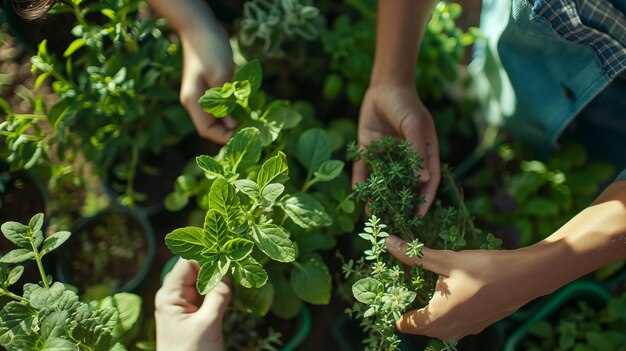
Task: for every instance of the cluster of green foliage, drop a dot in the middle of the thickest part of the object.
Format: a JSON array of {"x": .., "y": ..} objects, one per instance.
[
  {"x": 581, "y": 327},
  {"x": 351, "y": 44},
  {"x": 117, "y": 83},
  {"x": 49, "y": 315},
  {"x": 535, "y": 197},
  {"x": 379, "y": 282},
  {"x": 266, "y": 27},
  {"x": 266, "y": 215}
]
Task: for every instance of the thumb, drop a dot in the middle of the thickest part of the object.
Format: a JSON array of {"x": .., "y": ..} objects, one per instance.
[
  {"x": 216, "y": 302},
  {"x": 436, "y": 261}
]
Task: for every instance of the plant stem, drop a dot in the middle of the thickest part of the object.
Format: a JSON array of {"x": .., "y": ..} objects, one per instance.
[
  {"x": 40, "y": 265},
  {"x": 13, "y": 296}
]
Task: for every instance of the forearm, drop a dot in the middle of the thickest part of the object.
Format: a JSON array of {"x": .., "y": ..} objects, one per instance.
[
  {"x": 186, "y": 16},
  {"x": 592, "y": 239},
  {"x": 400, "y": 27}
]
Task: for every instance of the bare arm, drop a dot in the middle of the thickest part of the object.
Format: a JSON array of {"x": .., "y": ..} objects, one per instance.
[
  {"x": 478, "y": 287},
  {"x": 391, "y": 105}
]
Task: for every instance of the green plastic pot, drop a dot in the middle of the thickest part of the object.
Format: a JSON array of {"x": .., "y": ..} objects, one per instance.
[
  {"x": 304, "y": 318},
  {"x": 586, "y": 290},
  {"x": 62, "y": 265}
]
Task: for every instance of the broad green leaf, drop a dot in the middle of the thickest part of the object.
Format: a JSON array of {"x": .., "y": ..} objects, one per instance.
[
  {"x": 271, "y": 192},
  {"x": 273, "y": 170},
  {"x": 306, "y": 211},
  {"x": 274, "y": 242},
  {"x": 128, "y": 308},
  {"x": 175, "y": 201},
  {"x": 208, "y": 277},
  {"x": 244, "y": 148},
  {"x": 36, "y": 222},
  {"x": 18, "y": 256},
  {"x": 188, "y": 242},
  {"x": 255, "y": 301},
  {"x": 365, "y": 290},
  {"x": 15, "y": 275},
  {"x": 59, "y": 344},
  {"x": 251, "y": 72},
  {"x": 286, "y": 304},
  {"x": 216, "y": 229},
  {"x": 237, "y": 249},
  {"x": 329, "y": 170},
  {"x": 248, "y": 187},
  {"x": 24, "y": 341},
  {"x": 219, "y": 102},
  {"x": 47, "y": 297},
  {"x": 16, "y": 319},
  {"x": 17, "y": 233},
  {"x": 223, "y": 263},
  {"x": 210, "y": 166},
  {"x": 54, "y": 325},
  {"x": 95, "y": 327},
  {"x": 314, "y": 148},
  {"x": 311, "y": 282},
  {"x": 53, "y": 241},
  {"x": 249, "y": 273},
  {"x": 223, "y": 199}
]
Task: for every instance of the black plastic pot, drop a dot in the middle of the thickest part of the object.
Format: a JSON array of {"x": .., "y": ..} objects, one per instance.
[{"x": 121, "y": 264}]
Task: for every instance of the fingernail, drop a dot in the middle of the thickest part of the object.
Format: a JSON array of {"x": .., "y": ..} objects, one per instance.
[{"x": 394, "y": 241}]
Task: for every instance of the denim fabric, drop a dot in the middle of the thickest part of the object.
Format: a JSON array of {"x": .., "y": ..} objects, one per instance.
[{"x": 545, "y": 62}]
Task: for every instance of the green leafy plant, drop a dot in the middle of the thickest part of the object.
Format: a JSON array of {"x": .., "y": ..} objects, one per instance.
[
  {"x": 581, "y": 327},
  {"x": 379, "y": 282},
  {"x": 118, "y": 99},
  {"x": 49, "y": 315},
  {"x": 266, "y": 26},
  {"x": 268, "y": 211}
]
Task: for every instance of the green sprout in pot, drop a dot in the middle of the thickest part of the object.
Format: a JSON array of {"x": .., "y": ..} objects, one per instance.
[
  {"x": 50, "y": 315},
  {"x": 379, "y": 283}
]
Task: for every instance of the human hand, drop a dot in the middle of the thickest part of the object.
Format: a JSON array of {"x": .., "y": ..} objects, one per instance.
[
  {"x": 207, "y": 63},
  {"x": 395, "y": 110},
  {"x": 475, "y": 289},
  {"x": 184, "y": 319}
]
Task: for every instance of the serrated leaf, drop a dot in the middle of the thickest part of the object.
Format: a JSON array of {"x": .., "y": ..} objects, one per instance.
[
  {"x": 223, "y": 199},
  {"x": 329, "y": 170},
  {"x": 210, "y": 166},
  {"x": 306, "y": 211},
  {"x": 53, "y": 241},
  {"x": 248, "y": 187},
  {"x": 314, "y": 148},
  {"x": 244, "y": 148},
  {"x": 365, "y": 290},
  {"x": 59, "y": 344},
  {"x": 188, "y": 242},
  {"x": 311, "y": 282},
  {"x": 128, "y": 308},
  {"x": 208, "y": 277},
  {"x": 215, "y": 229},
  {"x": 18, "y": 256},
  {"x": 15, "y": 319},
  {"x": 17, "y": 233},
  {"x": 274, "y": 242},
  {"x": 271, "y": 192},
  {"x": 95, "y": 327},
  {"x": 249, "y": 273},
  {"x": 237, "y": 249},
  {"x": 274, "y": 170},
  {"x": 54, "y": 325}
]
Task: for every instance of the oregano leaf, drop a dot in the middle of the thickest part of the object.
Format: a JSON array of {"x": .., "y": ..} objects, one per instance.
[
  {"x": 188, "y": 242},
  {"x": 274, "y": 242},
  {"x": 275, "y": 169}
]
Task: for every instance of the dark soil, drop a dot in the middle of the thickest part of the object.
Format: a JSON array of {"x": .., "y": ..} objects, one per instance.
[{"x": 108, "y": 250}]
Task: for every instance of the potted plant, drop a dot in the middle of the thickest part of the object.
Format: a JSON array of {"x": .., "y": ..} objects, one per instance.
[
  {"x": 273, "y": 198},
  {"x": 49, "y": 314},
  {"x": 118, "y": 99},
  {"x": 114, "y": 249}
]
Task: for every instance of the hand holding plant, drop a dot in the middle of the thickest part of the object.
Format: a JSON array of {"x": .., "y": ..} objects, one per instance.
[
  {"x": 396, "y": 110},
  {"x": 185, "y": 320}
]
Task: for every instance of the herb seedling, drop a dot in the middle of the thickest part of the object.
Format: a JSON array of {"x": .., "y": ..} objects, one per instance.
[{"x": 49, "y": 315}]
